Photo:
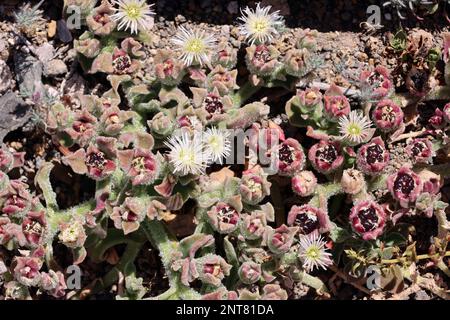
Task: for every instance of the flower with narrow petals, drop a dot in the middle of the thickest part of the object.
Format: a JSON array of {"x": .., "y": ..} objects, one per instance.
[
  {"x": 259, "y": 25},
  {"x": 313, "y": 253},
  {"x": 135, "y": 15},
  {"x": 368, "y": 218},
  {"x": 355, "y": 128},
  {"x": 217, "y": 144},
  {"x": 372, "y": 157},
  {"x": 187, "y": 155},
  {"x": 194, "y": 46},
  {"x": 405, "y": 186}
]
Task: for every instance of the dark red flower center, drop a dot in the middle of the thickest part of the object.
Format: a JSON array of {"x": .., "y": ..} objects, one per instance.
[
  {"x": 168, "y": 67},
  {"x": 388, "y": 114},
  {"x": 404, "y": 183},
  {"x": 96, "y": 160},
  {"x": 212, "y": 268},
  {"x": 102, "y": 18},
  {"x": 307, "y": 222},
  {"x": 121, "y": 63},
  {"x": 286, "y": 154},
  {"x": 16, "y": 201},
  {"x": 420, "y": 79},
  {"x": 262, "y": 54},
  {"x": 327, "y": 153},
  {"x": 227, "y": 214},
  {"x": 418, "y": 148},
  {"x": 368, "y": 218},
  {"x": 374, "y": 154},
  {"x": 375, "y": 79},
  {"x": 213, "y": 104}
]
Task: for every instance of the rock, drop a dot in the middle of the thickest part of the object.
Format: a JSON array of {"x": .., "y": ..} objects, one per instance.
[
  {"x": 63, "y": 32},
  {"x": 14, "y": 113},
  {"x": 51, "y": 29},
  {"x": 28, "y": 74},
  {"x": 45, "y": 52},
  {"x": 5, "y": 77},
  {"x": 233, "y": 7},
  {"x": 55, "y": 67}
]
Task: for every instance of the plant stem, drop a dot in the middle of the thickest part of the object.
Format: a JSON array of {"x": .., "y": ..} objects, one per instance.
[{"x": 244, "y": 93}]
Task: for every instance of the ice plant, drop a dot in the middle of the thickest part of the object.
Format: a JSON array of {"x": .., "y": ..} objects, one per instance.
[
  {"x": 372, "y": 157},
  {"x": 194, "y": 46},
  {"x": 135, "y": 15},
  {"x": 313, "y": 252},
  {"x": 217, "y": 144},
  {"x": 259, "y": 25},
  {"x": 368, "y": 218},
  {"x": 187, "y": 155},
  {"x": 355, "y": 128},
  {"x": 405, "y": 186},
  {"x": 304, "y": 183},
  {"x": 308, "y": 219},
  {"x": 420, "y": 150},
  {"x": 387, "y": 115},
  {"x": 325, "y": 156}
]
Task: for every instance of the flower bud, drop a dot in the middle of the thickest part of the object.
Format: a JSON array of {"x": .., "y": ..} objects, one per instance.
[
  {"x": 128, "y": 216},
  {"x": 304, "y": 183},
  {"x": 249, "y": 272},
  {"x": 212, "y": 269},
  {"x": 33, "y": 227},
  {"x": 297, "y": 62},
  {"x": 274, "y": 292},
  {"x": 352, "y": 181},
  {"x": 280, "y": 240},
  {"x": 254, "y": 186},
  {"x": 26, "y": 270},
  {"x": 72, "y": 234}
]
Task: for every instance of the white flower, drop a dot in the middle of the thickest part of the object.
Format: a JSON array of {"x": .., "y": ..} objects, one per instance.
[
  {"x": 217, "y": 144},
  {"x": 134, "y": 15},
  {"x": 187, "y": 155},
  {"x": 355, "y": 128},
  {"x": 259, "y": 25},
  {"x": 312, "y": 252},
  {"x": 194, "y": 46}
]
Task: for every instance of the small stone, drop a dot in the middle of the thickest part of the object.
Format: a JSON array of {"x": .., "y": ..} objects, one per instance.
[
  {"x": 51, "y": 29},
  {"x": 5, "y": 77},
  {"x": 45, "y": 52},
  {"x": 28, "y": 71},
  {"x": 14, "y": 113},
  {"x": 55, "y": 67}
]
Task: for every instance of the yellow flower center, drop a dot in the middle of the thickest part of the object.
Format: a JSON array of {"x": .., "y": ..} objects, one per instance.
[
  {"x": 195, "y": 46},
  {"x": 313, "y": 252},
  {"x": 354, "y": 129},
  {"x": 133, "y": 11},
  {"x": 260, "y": 25}
]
